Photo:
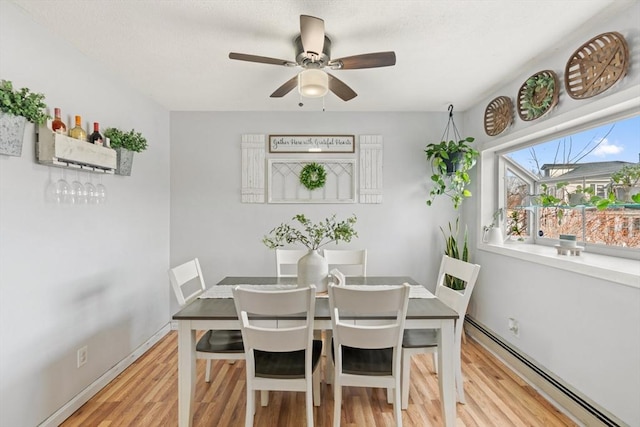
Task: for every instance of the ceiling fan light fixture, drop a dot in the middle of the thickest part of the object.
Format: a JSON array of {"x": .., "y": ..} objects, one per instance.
[{"x": 313, "y": 83}]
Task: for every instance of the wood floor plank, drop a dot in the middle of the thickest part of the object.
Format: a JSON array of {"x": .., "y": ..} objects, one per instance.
[{"x": 146, "y": 395}]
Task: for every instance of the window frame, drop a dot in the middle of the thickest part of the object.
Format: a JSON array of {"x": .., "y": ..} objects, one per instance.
[{"x": 618, "y": 266}]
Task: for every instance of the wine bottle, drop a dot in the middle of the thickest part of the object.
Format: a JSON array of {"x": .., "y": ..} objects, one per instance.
[
  {"x": 77, "y": 132},
  {"x": 96, "y": 137},
  {"x": 57, "y": 125}
]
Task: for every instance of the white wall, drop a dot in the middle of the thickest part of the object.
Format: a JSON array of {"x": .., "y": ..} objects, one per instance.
[
  {"x": 209, "y": 221},
  {"x": 75, "y": 275},
  {"x": 584, "y": 330}
]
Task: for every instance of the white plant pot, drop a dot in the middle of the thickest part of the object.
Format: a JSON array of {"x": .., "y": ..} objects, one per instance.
[{"x": 313, "y": 270}]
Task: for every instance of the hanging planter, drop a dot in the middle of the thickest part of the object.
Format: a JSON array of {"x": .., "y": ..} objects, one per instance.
[
  {"x": 125, "y": 144},
  {"x": 11, "y": 134},
  {"x": 16, "y": 108},
  {"x": 451, "y": 161}
]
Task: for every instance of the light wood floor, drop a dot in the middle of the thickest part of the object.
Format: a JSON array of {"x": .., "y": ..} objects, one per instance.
[{"x": 146, "y": 394}]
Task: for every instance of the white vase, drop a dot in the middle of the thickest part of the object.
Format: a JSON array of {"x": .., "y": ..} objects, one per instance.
[{"x": 313, "y": 270}]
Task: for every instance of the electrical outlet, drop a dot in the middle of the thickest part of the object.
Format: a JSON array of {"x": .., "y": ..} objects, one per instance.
[
  {"x": 514, "y": 326},
  {"x": 83, "y": 355}
]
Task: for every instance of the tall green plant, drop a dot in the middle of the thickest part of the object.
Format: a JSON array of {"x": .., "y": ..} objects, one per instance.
[{"x": 453, "y": 250}]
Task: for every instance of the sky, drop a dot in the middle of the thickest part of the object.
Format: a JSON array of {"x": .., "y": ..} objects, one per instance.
[{"x": 614, "y": 141}]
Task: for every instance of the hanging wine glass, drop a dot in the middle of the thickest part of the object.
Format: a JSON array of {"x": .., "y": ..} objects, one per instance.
[
  {"x": 51, "y": 191},
  {"x": 91, "y": 192},
  {"x": 64, "y": 189},
  {"x": 78, "y": 191},
  {"x": 101, "y": 192}
]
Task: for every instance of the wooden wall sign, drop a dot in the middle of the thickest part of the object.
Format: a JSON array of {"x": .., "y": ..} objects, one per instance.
[{"x": 311, "y": 144}]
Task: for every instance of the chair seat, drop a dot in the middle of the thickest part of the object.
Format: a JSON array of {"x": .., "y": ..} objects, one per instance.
[
  {"x": 285, "y": 365},
  {"x": 418, "y": 338},
  {"x": 225, "y": 341},
  {"x": 366, "y": 361}
]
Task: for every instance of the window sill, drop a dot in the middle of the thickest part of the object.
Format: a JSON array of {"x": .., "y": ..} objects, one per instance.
[{"x": 613, "y": 269}]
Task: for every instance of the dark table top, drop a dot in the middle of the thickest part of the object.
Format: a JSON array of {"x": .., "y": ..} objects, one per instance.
[{"x": 224, "y": 308}]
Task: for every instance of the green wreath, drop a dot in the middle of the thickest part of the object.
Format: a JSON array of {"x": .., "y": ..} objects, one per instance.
[
  {"x": 313, "y": 176},
  {"x": 535, "y": 85}
]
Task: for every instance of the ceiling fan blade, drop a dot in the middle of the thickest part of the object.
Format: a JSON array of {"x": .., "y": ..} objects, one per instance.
[
  {"x": 261, "y": 59},
  {"x": 312, "y": 34},
  {"x": 367, "y": 60},
  {"x": 286, "y": 87},
  {"x": 338, "y": 87}
]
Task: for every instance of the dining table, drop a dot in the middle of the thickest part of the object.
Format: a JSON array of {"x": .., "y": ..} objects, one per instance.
[{"x": 215, "y": 309}]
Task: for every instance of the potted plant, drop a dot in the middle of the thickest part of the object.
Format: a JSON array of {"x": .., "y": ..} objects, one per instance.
[
  {"x": 16, "y": 108},
  {"x": 492, "y": 233},
  {"x": 580, "y": 196},
  {"x": 451, "y": 162},
  {"x": 625, "y": 182},
  {"x": 125, "y": 144},
  {"x": 312, "y": 268}
]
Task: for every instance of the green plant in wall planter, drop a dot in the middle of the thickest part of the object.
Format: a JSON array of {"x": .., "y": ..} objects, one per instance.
[
  {"x": 125, "y": 144},
  {"x": 16, "y": 108},
  {"x": 451, "y": 160}
]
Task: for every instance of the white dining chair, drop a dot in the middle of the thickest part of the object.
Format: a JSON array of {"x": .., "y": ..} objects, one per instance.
[
  {"x": 287, "y": 261},
  {"x": 418, "y": 341},
  {"x": 188, "y": 283},
  {"x": 279, "y": 357},
  {"x": 352, "y": 263},
  {"x": 367, "y": 354}
]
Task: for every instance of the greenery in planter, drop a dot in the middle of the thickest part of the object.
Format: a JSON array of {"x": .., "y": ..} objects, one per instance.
[
  {"x": 132, "y": 140},
  {"x": 536, "y": 85},
  {"x": 453, "y": 250},
  {"x": 312, "y": 236},
  {"x": 23, "y": 103},
  {"x": 447, "y": 182}
]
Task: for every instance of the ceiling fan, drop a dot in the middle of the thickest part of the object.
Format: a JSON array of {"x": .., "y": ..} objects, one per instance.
[{"x": 313, "y": 54}]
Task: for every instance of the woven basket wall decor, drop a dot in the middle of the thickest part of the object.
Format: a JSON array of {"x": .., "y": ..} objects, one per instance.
[
  {"x": 596, "y": 65},
  {"x": 538, "y": 95},
  {"x": 498, "y": 115}
]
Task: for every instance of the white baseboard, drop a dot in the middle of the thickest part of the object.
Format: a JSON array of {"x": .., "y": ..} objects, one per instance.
[
  {"x": 582, "y": 410},
  {"x": 81, "y": 398}
]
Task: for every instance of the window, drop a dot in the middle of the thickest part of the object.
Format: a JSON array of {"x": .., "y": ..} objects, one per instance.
[{"x": 565, "y": 186}]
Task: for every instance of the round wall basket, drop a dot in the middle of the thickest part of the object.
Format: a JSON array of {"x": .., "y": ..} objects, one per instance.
[
  {"x": 596, "y": 65},
  {"x": 537, "y": 95},
  {"x": 498, "y": 115}
]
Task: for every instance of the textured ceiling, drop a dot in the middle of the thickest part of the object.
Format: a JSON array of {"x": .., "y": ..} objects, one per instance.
[{"x": 176, "y": 52}]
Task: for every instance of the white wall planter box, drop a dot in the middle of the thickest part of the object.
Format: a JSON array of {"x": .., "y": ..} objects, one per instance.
[{"x": 55, "y": 149}]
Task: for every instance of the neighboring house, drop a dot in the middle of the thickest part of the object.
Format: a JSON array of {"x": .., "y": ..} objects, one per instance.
[{"x": 596, "y": 175}]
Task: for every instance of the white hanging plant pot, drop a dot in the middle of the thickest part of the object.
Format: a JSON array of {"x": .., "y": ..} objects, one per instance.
[
  {"x": 11, "y": 134},
  {"x": 124, "y": 161},
  {"x": 313, "y": 270}
]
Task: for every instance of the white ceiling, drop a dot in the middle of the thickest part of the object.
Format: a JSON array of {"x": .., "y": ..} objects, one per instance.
[{"x": 176, "y": 51}]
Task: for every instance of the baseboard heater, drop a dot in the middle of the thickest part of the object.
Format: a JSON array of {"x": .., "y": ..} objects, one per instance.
[{"x": 595, "y": 414}]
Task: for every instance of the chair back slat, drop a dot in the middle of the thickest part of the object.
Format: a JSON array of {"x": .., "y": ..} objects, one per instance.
[
  {"x": 383, "y": 336},
  {"x": 351, "y": 262},
  {"x": 287, "y": 261},
  {"x": 182, "y": 280},
  {"x": 362, "y": 300},
  {"x": 465, "y": 271},
  {"x": 253, "y": 304}
]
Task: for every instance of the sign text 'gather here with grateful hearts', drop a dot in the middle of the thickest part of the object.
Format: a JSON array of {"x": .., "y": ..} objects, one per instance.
[{"x": 311, "y": 143}]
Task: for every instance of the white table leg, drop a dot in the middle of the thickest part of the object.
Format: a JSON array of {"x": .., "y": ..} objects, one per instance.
[
  {"x": 446, "y": 378},
  {"x": 186, "y": 372}
]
